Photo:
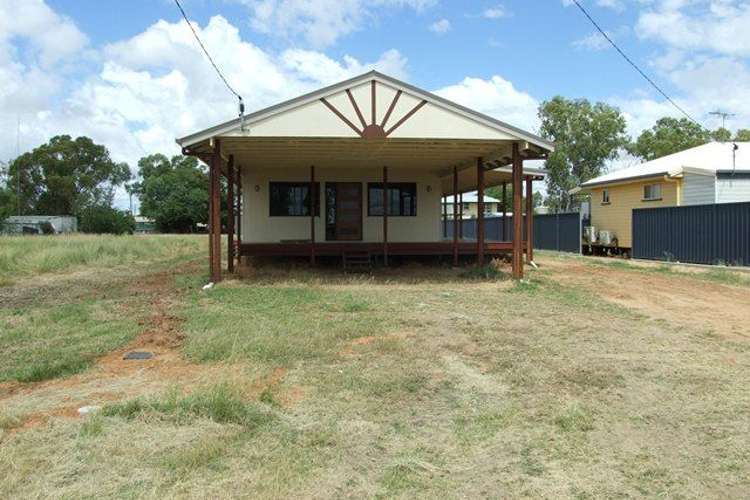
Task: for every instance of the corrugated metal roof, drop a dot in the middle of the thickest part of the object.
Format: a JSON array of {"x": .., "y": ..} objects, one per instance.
[{"x": 710, "y": 158}]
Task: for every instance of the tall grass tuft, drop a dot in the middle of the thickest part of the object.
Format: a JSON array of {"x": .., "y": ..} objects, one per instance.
[
  {"x": 220, "y": 403},
  {"x": 31, "y": 255}
]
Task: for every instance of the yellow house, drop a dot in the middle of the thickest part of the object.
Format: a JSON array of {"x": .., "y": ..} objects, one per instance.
[{"x": 712, "y": 173}]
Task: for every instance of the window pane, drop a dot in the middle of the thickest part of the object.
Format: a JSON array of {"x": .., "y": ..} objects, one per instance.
[
  {"x": 292, "y": 199},
  {"x": 402, "y": 199}
]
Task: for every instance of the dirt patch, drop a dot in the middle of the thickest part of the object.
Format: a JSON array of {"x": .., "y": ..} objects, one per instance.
[{"x": 686, "y": 301}]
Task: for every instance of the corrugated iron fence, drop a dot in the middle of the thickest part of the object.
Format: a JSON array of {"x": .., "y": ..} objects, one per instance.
[
  {"x": 703, "y": 234},
  {"x": 561, "y": 232}
]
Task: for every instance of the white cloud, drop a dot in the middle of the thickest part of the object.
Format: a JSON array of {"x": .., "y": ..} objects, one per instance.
[
  {"x": 720, "y": 26},
  {"x": 320, "y": 23},
  {"x": 496, "y": 97},
  {"x": 53, "y": 36},
  {"x": 440, "y": 27},
  {"x": 157, "y": 85},
  {"x": 496, "y": 12}
]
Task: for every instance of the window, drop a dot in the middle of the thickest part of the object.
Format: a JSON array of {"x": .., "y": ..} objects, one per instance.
[
  {"x": 402, "y": 199},
  {"x": 467, "y": 207},
  {"x": 651, "y": 192},
  {"x": 605, "y": 196},
  {"x": 291, "y": 199}
]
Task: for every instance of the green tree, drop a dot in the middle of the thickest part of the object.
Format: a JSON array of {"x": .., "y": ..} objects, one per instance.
[
  {"x": 667, "y": 136},
  {"x": 104, "y": 219},
  {"x": 7, "y": 200},
  {"x": 173, "y": 192},
  {"x": 721, "y": 135},
  {"x": 65, "y": 175},
  {"x": 497, "y": 193},
  {"x": 742, "y": 135},
  {"x": 586, "y": 136}
]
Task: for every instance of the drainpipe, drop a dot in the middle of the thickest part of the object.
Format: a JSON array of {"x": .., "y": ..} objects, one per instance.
[{"x": 678, "y": 187}]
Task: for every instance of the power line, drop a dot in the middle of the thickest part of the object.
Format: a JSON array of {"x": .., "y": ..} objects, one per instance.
[
  {"x": 211, "y": 59},
  {"x": 634, "y": 65}
]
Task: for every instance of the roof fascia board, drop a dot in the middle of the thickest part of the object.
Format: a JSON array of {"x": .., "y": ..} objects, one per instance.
[{"x": 628, "y": 180}]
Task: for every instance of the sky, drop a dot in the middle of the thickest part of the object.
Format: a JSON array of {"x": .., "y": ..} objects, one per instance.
[{"x": 131, "y": 76}]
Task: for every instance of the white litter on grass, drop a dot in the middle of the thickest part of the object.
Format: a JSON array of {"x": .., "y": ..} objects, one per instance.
[
  {"x": 85, "y": 410},
  {"x": 208, "y": 286},
  {"x": 533, "y": 264}
]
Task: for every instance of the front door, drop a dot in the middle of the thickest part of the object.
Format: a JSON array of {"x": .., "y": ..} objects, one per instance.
[{"x": 343, "y": 211}]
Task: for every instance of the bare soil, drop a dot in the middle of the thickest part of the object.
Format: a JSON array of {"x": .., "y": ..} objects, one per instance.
[{"x": 679, "y": 300}]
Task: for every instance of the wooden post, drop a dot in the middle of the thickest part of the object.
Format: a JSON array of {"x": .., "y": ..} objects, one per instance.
[
  {"x": 517, "y": 210},
  {"x": 215, "y": 214},
  {"x": 461, "y": 222},
  {"x": 238, "y": 209},
  {"x": 529, "y": 220},
  {"x": 312, "y": 199},
  {"x": 230, "y": 214},
  {"x": 385, "y": 216},
  {"x": 444, "y": 203},
  {"x": 505, "y": 211},
  {"x": 480, "y": 211},
  {"x": 455, "y": 216}
]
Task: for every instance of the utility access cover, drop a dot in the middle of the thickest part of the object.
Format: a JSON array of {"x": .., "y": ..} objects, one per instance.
[{"x": 139, "y": 355}]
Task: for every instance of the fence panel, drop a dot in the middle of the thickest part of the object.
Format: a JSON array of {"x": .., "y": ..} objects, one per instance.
[
  {"x": 702, "y": 234},
  {"x": 561, "y": 232}
]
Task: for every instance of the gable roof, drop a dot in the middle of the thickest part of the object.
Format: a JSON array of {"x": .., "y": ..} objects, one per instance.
[
  {"x": 236, "y": 125},
  {"x": 706, "y": 159}
]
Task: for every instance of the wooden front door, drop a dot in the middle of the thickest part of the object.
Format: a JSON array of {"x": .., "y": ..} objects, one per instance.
[{"x": 343, "y": 211}]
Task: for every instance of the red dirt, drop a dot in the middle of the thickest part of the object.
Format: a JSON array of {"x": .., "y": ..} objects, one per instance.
[{"x": 721, "y": 309}]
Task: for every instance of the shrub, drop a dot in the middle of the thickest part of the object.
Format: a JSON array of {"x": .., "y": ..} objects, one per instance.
[{"x": 103, "y": 219}]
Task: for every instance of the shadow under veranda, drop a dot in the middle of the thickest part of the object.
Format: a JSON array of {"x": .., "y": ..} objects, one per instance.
[{"x": 400, "y": 270}]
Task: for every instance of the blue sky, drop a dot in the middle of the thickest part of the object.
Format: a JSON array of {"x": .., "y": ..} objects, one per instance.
[
  {"x": 533, "y": 44},
  {"x": 130, "y": 75}
]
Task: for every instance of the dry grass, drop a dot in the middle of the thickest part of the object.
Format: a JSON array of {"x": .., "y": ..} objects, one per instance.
[{"x": 418, "y": 382}]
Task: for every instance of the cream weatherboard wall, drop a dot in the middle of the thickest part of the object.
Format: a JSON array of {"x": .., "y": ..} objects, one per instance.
[
  {"x": 617, "y": 215},
  {"x": 259, "y": 227}
]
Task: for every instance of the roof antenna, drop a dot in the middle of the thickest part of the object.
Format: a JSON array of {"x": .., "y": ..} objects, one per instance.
[
  {"x": 242, "y": 113},
  {"x": 735, "y": 147}
]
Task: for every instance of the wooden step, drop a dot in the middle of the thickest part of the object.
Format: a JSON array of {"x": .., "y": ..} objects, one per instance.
[{"x": 357, "y": 260}]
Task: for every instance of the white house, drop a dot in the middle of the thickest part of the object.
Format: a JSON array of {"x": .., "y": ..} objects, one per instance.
[{"x": 343, "y": 144}]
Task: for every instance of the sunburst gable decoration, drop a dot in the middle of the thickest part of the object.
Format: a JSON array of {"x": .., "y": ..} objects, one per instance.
[{"x": 373, "y": 130}]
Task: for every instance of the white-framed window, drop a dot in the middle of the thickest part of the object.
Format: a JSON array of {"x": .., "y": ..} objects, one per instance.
[
  {"x": 605, "y": 196},
  {"x": 651, "y": 192}
]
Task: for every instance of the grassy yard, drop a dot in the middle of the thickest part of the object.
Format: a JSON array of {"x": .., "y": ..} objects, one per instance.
[{"x": 593, "y": 379}]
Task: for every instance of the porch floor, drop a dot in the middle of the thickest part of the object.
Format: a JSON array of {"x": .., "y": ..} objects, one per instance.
[{"x": 337, "y": 248}]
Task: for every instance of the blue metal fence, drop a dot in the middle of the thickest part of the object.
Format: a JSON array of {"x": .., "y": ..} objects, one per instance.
[
  {"x": 703, "y": 234},
  {"x": 560, "y": 232}
]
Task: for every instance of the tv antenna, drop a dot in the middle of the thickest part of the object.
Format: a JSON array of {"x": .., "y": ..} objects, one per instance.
[{"x": 724, "y": 115}]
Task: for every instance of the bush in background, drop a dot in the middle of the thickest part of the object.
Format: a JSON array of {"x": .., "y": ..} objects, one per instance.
[{"x": 104, "y": 219}]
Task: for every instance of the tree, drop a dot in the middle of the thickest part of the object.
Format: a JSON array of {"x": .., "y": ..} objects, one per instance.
[
  {"x": 721, "y": 135},
  {"x": 65, "y": 175},
  {"x": 586, "y": 136},
  {"x": 742, "y": 135},
  {"x": 173, "y": 192},
  {"x": 667, "y": 136},
  {"x": 497, "y": 193},
  {"x": 7, "y": 199},
  {"x": 105, "y": 219}
]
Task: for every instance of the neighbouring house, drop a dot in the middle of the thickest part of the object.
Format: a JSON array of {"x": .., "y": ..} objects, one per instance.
[
  {"x": 359, "y": 168},
  {"x": 39, "y": 224},
  {"x": 468, "y": 205},
  {"x": 717, "y": 172},
  {"x": 144, "y": 225}
]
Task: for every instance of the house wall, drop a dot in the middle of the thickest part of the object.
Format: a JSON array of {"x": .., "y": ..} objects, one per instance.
[
  {"x": 698, "y": 189},
  {"x": 732, "y": 189},
  {"x": 259, "y": 227},
  {"x": 616, "y": 216}
]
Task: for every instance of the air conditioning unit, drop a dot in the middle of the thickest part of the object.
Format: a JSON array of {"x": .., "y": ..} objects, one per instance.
[
  {"x": 589, "y": 234},
  {"x": 606, "y": 238}
]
